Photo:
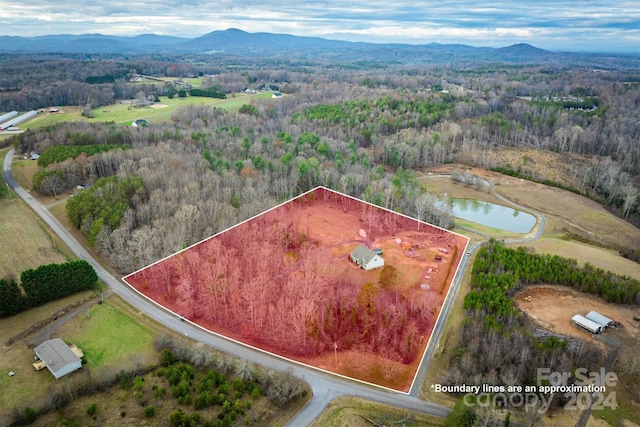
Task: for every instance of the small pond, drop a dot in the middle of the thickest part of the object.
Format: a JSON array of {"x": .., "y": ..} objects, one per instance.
[{"x": 492, "y": 215}]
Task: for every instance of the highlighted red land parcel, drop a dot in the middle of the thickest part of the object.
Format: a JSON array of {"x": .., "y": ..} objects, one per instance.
[{"x": 292, "y": 281}]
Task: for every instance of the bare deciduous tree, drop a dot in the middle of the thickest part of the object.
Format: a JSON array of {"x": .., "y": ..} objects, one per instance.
[{"x": 51, "y": 185}]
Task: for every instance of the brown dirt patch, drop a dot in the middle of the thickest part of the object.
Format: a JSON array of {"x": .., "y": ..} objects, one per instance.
[
  {"x": 554, "y": 306},
  {"x": 159, "y": 106}
]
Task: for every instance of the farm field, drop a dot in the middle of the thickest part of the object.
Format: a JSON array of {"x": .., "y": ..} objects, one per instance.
[
  {"x": 125, "y": 114},
  {"x": 31, "y": 242},
  {"x": 284, "y": 282},
  {"x": 27, "y": 241},
  {"x": 565, "y": 212}
]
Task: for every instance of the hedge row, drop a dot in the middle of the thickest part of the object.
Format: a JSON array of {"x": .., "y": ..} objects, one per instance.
[{"x": 44, "y": 284}]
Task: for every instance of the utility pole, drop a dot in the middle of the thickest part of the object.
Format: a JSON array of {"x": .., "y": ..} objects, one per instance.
[{"x": 335, "y": 353}]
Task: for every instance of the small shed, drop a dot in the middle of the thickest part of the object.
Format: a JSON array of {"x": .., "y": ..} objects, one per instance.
[
  {"x": 584, "y": 323},
  {"x": 58, "y": 357},
  {"x": 365, "y": 258},
  {"x": 600, "y": 319}
]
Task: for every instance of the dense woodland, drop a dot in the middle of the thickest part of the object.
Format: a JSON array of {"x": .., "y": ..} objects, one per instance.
[
  {"x": 278, "y": 291},
  {"x": 355, "y": 129}
]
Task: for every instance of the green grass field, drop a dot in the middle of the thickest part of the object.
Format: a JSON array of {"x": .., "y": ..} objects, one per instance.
[
  {"x": 27, "y": 241},
  {"x": 125, "y": 114},
  {"x": 27, "y": 384},
  {"x": 493, "y": 232},
  {"x": 109, "y": 336}
]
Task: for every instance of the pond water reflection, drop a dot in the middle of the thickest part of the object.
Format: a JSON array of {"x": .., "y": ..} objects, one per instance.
[{"x": 492, "y": 215}]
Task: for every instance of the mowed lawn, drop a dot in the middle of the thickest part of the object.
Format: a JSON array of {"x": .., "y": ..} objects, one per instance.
[
  {"x": 110, "y": 336},
  {"x": 125, "y": 114},
  {"x": 27, "y": 242},
  {"x": 27, "y": 384}
]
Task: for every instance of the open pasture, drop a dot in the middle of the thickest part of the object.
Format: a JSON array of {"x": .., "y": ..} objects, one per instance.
[{"x": 125, "y": 113}]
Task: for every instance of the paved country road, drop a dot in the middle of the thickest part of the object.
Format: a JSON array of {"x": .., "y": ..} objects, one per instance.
[{"x": 326, "y": 387}]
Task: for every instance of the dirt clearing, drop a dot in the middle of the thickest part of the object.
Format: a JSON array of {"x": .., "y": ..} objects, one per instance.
[{"x": 554, "y": 306}]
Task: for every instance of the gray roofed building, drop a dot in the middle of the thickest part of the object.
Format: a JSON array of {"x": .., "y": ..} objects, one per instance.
[
  {"x": 587, "y": 324},
  {"x": 366, "y": 258},
  {"x": 600, "y": 319},
  {"x": 18, "y": 120},
  {"x": 58, "y": 357}
]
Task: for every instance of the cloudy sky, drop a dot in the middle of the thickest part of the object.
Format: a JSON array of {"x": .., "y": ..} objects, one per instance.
[{"x": 601, "y": 25}]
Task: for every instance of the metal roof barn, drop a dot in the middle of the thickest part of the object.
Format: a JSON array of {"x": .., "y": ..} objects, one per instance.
[
  {"x": 587, "y": 324},
  {"x": 18, "y": 120},
  {"x": 58, "y": 357},
  {"x": 8, "y": 116},
  {"x": 600, "y": 319}
]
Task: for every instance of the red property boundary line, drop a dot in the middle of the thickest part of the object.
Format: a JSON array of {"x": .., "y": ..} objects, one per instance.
[{"x": 243, "y": 344}]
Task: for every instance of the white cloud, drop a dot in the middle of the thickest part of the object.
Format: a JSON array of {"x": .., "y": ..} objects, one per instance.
[{"x": 545, "y": 23}]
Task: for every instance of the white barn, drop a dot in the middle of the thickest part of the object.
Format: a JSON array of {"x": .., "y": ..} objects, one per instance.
[
  {"x": 366, "y": 258},
  {"x": 18, "y": 120},
  {"x": 587, "y": 324},
  {"x": 600, "y": 319},
  {"x": 58, "y": 357},
  {"x": 7, "y": 116}
]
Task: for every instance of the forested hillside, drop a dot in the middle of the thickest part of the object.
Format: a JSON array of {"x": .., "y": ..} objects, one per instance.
[{"x": 358, "y": 129}]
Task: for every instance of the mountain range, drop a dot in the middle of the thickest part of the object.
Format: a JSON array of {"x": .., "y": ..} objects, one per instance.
[{"x": 238, "y": 43}]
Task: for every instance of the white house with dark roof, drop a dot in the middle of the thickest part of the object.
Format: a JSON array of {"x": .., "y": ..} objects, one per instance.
[
  {"x": 58, "y": 357},
  {"x": 366, "y": 258}
]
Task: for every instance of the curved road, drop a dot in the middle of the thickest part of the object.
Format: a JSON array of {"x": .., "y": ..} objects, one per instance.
[{"x": 326, "y": 387}]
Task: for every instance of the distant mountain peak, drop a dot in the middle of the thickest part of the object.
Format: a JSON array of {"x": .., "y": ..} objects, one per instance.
[
  {"x": 239, "y": 43},
  {"x": 523, "y": 49},
  {"x": 233, "y": 30}
]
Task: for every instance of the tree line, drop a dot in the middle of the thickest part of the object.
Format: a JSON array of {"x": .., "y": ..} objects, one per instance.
[
  {"x": 511, "y": 269},
  {"x": 335, "y": 131},
  {"x": 201, "y": 178},
  {"x": 43, "y": 284},
  {"x": 497, "y": 345}
]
